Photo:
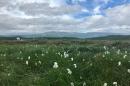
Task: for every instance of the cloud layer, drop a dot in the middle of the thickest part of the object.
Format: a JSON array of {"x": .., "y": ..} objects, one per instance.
[{"x": 39, "y": 16}]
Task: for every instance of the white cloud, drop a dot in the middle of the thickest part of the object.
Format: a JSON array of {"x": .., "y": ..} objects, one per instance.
[
  {"x": 29, "y": 16},
  {"x": 51, "y": 3},
  {"x": 117, "y": 20},
  {"x": 84, "y": 10},
  {"x": 15, "y": 13},
  {"x": 30, "y": 1}
]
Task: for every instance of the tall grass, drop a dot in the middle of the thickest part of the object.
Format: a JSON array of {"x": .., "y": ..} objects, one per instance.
[{"x": 32, "y": 65}]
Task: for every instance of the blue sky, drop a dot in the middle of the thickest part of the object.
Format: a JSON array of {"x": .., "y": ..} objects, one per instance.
[
  {"x": 39, "y": 16},
  {"x": 90, "y": 5}
]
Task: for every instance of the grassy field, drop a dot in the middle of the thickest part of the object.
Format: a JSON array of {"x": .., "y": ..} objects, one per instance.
[{"x": 73, "y": 64}]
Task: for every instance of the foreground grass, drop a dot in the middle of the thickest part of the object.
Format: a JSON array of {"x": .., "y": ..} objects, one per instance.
[{"x": 77, "y": 65}]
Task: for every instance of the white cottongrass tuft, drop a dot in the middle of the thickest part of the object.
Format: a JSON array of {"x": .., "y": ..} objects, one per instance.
[
  {"x": 81, "y": 77},
  {"x": 72, "y": 83},
  {"x": 69, "y": 71},
  {"x": 115, "y": 83},
  {"x": 39, "y": 62},
  {"x": 20, "y": 52},
  {"x": 72, "y": 59},
  {"x": 83, "y": 60},
  {"x": 84, "y": 84},
  {"x": 26, "y": 62},
  {"x": 29, "y": 57},
  {"x": 113, "y": 47},
  {"x": 119, "y": 63},
  {"x": 105, "y": 84},
  {"x": 105, "y": 48},
  {"x": 128, "y": 70},
  {"x": 126, "y": 52},
  {"x": 21, "y": 58},
  {"x": 55, "y": 66},
  {"x": 124, "y": 56},
  {"x": 42, "y": 54},
  {"x": 8, "y": 74},
  {"x": 66, "y": 54},
  {"x": 75, "y": 65},
  {"x": 118, "y": 52},
  {"x": 91, "y": 64},
  {"x": 4, "y": 55},
  {"x": 107, "y": 52},
  {"x": 59, "y": 53}
]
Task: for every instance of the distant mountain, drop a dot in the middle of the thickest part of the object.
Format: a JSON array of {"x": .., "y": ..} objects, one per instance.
[{"x": 71, "y": 34}]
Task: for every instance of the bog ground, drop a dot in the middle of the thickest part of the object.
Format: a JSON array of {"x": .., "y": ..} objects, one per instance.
[{"x": 62, "y": 64}]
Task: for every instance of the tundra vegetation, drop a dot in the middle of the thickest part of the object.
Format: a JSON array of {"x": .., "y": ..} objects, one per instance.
[{"x": 73, "y": 64}]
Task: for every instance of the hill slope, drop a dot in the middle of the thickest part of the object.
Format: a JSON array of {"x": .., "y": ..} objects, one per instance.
[{"x": 113, "y": 37}]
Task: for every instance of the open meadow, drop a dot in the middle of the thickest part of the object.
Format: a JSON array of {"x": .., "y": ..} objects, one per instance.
[{"x": 85, "y": 63}]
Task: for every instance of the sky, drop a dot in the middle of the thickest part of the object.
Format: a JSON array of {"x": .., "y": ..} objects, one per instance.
[{"x": 82, "y": 16}]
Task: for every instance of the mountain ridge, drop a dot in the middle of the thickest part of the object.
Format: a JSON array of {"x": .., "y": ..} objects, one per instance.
[
  {"x": 64, "y": 34},
  {"x": 67, "y": 35}
]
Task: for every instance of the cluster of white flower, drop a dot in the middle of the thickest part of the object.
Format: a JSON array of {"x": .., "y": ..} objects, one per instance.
[
  {"x": 91, "y": 64},
  {"x": 46, "y": 52},
  {"x": 26, "y": 62},
  {"x": 103, "y": 55},
  {"x": 20, "y": 52},
  {"x": 8, "y": 74},
  {"x": 3, "y": 54},
  {"x": 55, "y": 66},
  {"x": 118, "y": 51},
  {"x": 72, "y": 83},
  {"x": 39, "y": 62},
  {"x": 124, "y": 56},
  {"x": 84, "y": 84},
  {"x": 119, "y": 63},
  {"x": 81, "y": 77},
  {"x": 75, "y": 65},
  {"x": 72, "y": 59},
  {"x": 107, "y": 52},
  {"x": 66, "y": 55},
  {"x": 105, "y": 84},
  {"x": 60, "y": 54},
  {"x": 126, "y": 52},
  {"x": 21, "y": 58},
  {"x": 105, "y": 48},
  {"x": 69, "y": 71},
  {"x": 113, "y": 48},
  {"x": 36, "y": 55},
  {"x": 128, "y": 70},
  {"x": 42, "y": 54},
  {"x": 29, "y": 57},
  {"x": 115, "y": 83},
  {"x": 83, "y": 60}
]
